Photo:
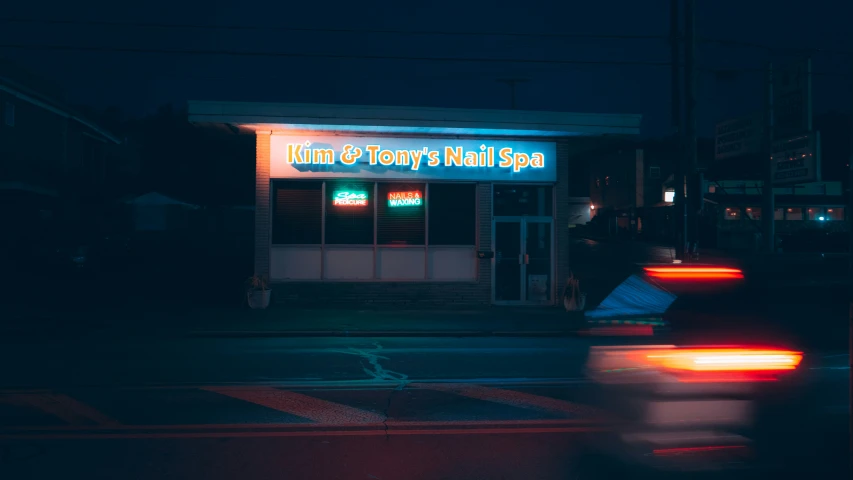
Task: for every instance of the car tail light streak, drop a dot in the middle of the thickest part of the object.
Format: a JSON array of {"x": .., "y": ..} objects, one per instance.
[
  {"x": 671, "y": 452},
  {"x": 694, "y": 273},
  {"x": 724, "y": 359},
  {"x": 692, "y": 364},
  {"x": 723, "y": 365}
]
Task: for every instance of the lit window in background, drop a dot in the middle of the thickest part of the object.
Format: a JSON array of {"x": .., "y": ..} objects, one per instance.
[
  {"x": 669, "y": 196},
  {"x": 816, "y": 213},
  {"x": 753, "y": 213},
  {"x": 733, "y": 214},
  {"x": 794, "y": 214},
  {"x": 835, "y": 213}
]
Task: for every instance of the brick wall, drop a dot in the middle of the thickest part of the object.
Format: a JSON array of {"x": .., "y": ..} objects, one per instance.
[
  {"x": 484, "y": 240},
  {"x": 561, "y": 218},
  {"x": 262, "y": 203},
  {"x": 383, "y": 294}
]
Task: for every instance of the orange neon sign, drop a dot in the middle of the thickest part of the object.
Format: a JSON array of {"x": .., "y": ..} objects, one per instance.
[{"x": 412, "y": 198}]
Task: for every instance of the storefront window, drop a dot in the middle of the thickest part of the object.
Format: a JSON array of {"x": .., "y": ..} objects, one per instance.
[
  {"x": 778, "y": 214},
  {"x": 400, "y": 214},
  {"x": 516, "y": 200},
  {"x": 835, "y": 213},
  {"x": 366, "y": 223},
  {"x": 349, "y": 213},
  {"x": 452, "y": 213},
  {"x": 297, "y": 213},
  {"x": 793, "y": 214}
]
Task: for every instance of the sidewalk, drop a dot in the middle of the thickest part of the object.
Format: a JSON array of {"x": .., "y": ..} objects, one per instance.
[
  {"x": 494, "y": 321},
  {"x": 601, "y": 268}
]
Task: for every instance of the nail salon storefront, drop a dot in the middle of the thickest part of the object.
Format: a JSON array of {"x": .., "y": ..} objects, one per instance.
[{"x": 416, "y": 207}]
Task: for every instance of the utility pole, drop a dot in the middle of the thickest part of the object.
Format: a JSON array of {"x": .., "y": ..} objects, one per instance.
[
  {"x": 768, "y": 204},
  {"x": 512, "y": 82},
  {"x": 695, "y": 196},
  {"x": 678, "y": 171},
  {"x": 849, "y": 214}
]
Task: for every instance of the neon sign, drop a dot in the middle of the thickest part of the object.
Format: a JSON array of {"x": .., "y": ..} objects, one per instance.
[
  {"x": 399, "y": 158},
  {"x": 345, "y": 198},
  {"x": 415, "y": 159},
  {"x": 405, "y": 199}
]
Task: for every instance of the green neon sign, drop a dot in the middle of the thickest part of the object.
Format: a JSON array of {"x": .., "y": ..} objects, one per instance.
[{"x": 347, "y": 198}]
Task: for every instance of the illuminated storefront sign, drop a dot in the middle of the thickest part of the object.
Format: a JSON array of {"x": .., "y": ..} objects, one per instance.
[
  {"x": 405, "y": 158},
  {"x": 405, "y": 199},
  {"x": 345, "y": 198}
]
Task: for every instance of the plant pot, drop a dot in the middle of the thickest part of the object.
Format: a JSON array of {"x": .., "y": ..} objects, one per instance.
[{"x": 259, "y": 299}]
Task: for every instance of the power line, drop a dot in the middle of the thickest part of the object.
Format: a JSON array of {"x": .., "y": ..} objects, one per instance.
[
  {"x": 193, "y": 26},
  {"x": 178, "y": 26},
  {"x": 247, "y": 53},
  {"x": 768, "y": 48}
]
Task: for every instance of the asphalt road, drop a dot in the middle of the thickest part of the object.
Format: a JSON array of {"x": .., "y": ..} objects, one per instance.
[
  {"x": 95, "y": 361},
  {"x": 318, "y": 407}
]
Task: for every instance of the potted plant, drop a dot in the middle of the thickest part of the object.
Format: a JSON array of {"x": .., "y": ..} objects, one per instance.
[{"x": 258, "y": 291}]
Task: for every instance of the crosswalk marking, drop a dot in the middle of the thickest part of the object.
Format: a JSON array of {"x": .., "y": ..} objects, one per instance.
[
  {"x": 440, "y": 428},
  {"x": 61, "y": 406},
  {"x": 320, "y": 413},
  {"x": 315, "y": 409},
  {"x": 512, "y": 398}
]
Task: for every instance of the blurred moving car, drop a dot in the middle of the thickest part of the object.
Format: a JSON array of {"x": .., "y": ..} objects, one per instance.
[
  {"x": 691, "y": 409},
  {"x": 688, "y": 402}
]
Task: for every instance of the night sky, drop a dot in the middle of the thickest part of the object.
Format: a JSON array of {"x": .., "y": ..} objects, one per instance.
[{"x": 139, "y": 82}]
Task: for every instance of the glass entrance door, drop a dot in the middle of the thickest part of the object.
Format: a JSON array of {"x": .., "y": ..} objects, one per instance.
[
  {"x": 508, "y": 261},
  {"x": 523, "y": 260}
]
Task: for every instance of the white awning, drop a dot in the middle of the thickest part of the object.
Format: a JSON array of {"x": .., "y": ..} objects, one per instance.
[{"x": 349, "y": 119}]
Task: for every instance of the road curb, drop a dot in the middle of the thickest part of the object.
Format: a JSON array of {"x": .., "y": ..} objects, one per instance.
[{"x": 378, "y": 333}]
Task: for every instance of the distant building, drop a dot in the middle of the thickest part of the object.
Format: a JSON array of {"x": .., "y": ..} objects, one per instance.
[
  {"x": 57, "y": 168},
  {"x": 818, "y": 205},
  {"x": 630, "y": 189}
]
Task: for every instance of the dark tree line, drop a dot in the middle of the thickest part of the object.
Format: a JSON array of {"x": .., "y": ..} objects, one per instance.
[{"x": 204, "y": 165}]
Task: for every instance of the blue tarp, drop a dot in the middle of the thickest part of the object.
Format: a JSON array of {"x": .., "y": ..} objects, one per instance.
[{"x": 633, "y": 297}]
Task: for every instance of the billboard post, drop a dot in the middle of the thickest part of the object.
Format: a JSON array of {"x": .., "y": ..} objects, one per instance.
[{"x": 768, "y": 204}]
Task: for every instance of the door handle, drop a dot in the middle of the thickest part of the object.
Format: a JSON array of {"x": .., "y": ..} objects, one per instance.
[{"x": 526, "y": 259}]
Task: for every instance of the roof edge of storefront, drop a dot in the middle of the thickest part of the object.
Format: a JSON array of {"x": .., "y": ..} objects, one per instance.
[{"x": 317, "y": 118}]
